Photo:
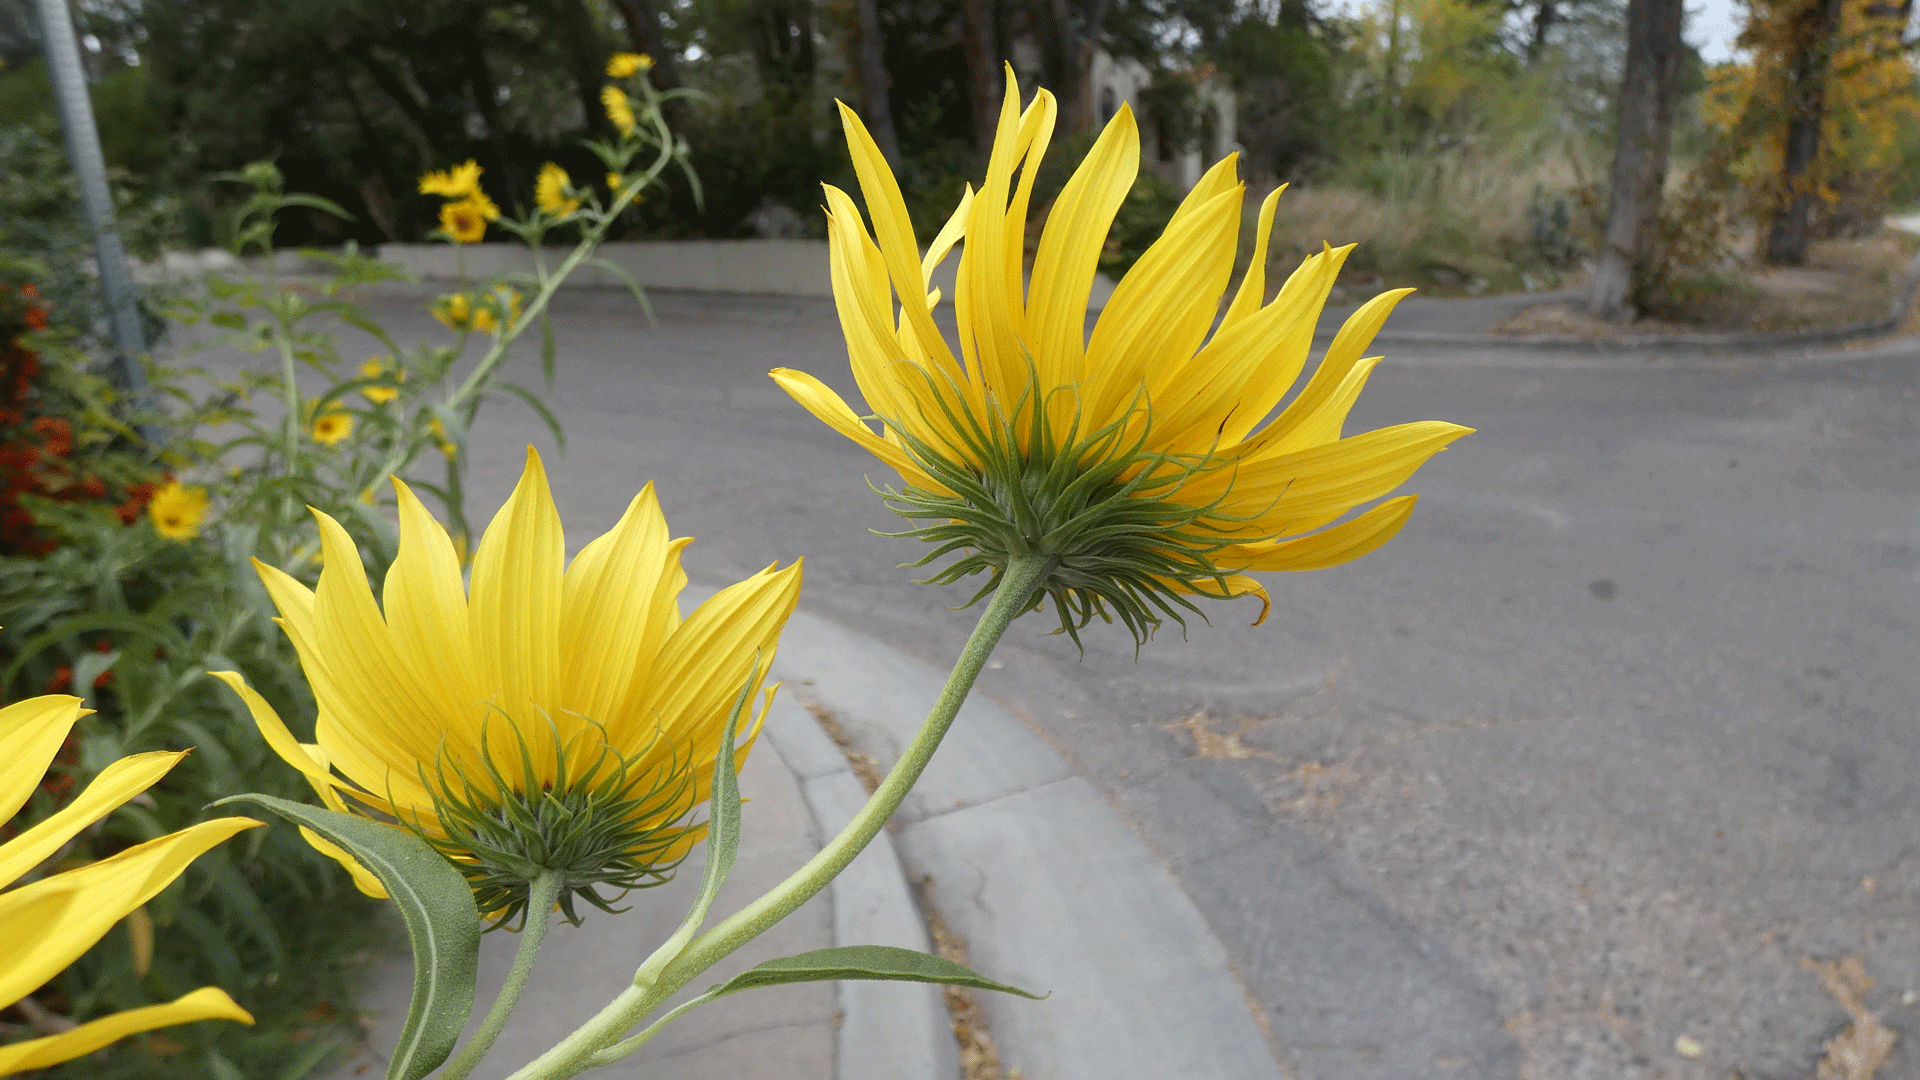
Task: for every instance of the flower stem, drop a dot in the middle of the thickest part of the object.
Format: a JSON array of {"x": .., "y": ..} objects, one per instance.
[
  {"x": 542, "y": 894},
  {"x": 596, "y": 1042}
]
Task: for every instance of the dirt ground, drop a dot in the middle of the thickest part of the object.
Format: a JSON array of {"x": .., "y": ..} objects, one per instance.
[{"x": 1844, "y": 282}]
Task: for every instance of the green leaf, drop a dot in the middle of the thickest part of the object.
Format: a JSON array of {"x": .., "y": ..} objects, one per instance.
[
  {"x": 868, "y": 962},
  {"x": 632, "y": 283},
  {"x": 723, "y": 843},
  {"x": 442, "y": 923},
  {"x": 232, "y": 320},
  {"x": 533, "y": 402}
]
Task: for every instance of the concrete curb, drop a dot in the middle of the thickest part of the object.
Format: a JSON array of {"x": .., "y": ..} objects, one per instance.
[
  {"x": 1020, "y": 850},
  {"x": 887, "y": 1030}
]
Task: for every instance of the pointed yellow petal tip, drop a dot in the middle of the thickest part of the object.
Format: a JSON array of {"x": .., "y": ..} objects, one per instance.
[{"x": 1266, "y": 602}]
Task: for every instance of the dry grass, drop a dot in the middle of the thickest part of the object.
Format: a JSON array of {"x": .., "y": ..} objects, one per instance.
[{"x": 1450, "y": 224}]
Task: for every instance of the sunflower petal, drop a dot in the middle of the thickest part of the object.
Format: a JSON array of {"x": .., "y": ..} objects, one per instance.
[
  {"x": 514, "y": 610},
  {"x": 609, "y": 632},
  {"x": 702, "y": 666},
  {"x": 427, "y": 617},
  {"x": 1331, "y": 546},
  {"x": 1326, "y": 479},
  {"x": 32, "y": 732},
  {"x": 116, "y": 783},
  {"x": 206, "y": 1003},
  {"x": 103, "y": 893},
  {"x": 1252, "y": 293},
  {"x": 363, "y": 878},
  {"x": 821, "y": 401},
  {"x": 1070, "y": 247},
  {"x": 1162, "y": 309}
]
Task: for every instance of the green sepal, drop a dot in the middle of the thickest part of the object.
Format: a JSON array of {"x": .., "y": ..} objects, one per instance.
[
  {"x": 443, "y": 926},
  {"x": 863, "y": 962},
  {"x": 723, "y": 840}
]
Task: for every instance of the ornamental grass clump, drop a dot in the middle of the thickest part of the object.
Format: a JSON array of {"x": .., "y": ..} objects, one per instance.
[{"x": 1132, "y": 468}]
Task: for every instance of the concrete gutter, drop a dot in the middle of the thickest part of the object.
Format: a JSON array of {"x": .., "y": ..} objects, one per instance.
[{"x": 1051, "y": 888}]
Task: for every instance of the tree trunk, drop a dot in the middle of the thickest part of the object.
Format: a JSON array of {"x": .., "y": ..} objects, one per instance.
[
  {"x": 873, "y": 83},
  {"x": 1818, "y": 24},
  {"x": 983, "y": 70},
  {"x": 643, "y": 28},
  {"x": 1544, "y": 17},
  {"x": 1069, "y": 38},
  {"x": 1630, "y": 249}
]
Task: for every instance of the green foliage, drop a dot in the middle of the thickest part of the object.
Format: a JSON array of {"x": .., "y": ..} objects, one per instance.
[{"x": 1141, "y": 219}]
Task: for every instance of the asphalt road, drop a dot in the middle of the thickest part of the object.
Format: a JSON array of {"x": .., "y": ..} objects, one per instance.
[{"x": 1618, "y": 731}]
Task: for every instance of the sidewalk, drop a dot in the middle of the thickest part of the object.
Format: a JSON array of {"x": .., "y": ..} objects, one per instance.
[{"x": 1050, "y": 888}]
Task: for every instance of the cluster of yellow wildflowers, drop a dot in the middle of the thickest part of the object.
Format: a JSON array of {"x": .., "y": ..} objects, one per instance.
[
  {"x": 46, "y": 924},
  {"x": 615, "y": 100},
  {"x": 382, "y": 367},
  {"x": 465, "y": 215},
  {"x": 481, "y": 312}
]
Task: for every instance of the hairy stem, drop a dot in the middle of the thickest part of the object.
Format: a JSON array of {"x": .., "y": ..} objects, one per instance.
[
  {"x": 541, "y": 897},
  {"x": 597, "y": 1041}
]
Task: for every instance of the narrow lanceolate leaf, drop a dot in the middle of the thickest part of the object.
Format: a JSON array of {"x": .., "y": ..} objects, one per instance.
[
  {"x": 442, "y": 923},
  {"x": 871, "y": 962}
]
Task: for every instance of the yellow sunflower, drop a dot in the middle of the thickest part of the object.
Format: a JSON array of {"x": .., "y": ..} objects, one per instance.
[
  {"x": 1140, "y": 462},
  {"x": 619, "y": 109},
  {"x": 330, "y": 429},
  {"x": 456, "y": 183},
  {"x": 621, "y": 65},
  {"x": 466, "y": 219},
  {"x": 454, "y": 310},
  {"x": 470, "y": 714},
  {"x": 46, "y": 924},
  {"x": 176, "y": 511},
  {"x": 550, "y": 191}
]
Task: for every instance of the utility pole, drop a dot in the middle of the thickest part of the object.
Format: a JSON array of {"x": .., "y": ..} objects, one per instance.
[{"x": 96, "y": 203}]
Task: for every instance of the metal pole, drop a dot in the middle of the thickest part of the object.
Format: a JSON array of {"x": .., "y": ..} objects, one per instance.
[{"x": 90, "y": 167}]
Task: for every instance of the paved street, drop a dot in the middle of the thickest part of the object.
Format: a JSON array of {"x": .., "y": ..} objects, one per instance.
[{"x": 1588, "y": 759}]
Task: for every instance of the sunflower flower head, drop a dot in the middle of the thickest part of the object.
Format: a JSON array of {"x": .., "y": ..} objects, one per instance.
[
  {"x": 1138, "y": 464},
  {"x": 622, "y": 65},
  {"x": 465, "y": 220},
  {"x": 455, "y": 183},
  {"x": 550, "y": 191},
  {"x": 332, "y": 427},
  {"x": 177, "y": 510},
  {"x": 381, "y": 367},
  {"x": 619, "y": 110},
  {"x": 551, "y": 717},
  {"x": 455, "y": 311},
  {"x": 49, "y": 922}
]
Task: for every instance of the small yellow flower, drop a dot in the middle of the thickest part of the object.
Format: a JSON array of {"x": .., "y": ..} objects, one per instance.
[
  {"x": 456, "y": 183},
  {"x": 466, "y": 220},
  {"x": 332, "y": 428},
  {"x": 51, "y": 920},
  {"x": 177, "y": 510},
  {"x": 454, "y": 311},
  {"x": 614, "y": 180},
  {"x": 439, "y": 433},
  {"x": 550, "y": 191},
  {"x": 367, "y": 496},
  {"x": 374, "y": 368},
  {"x": 484, "y": 320},
  {"x": 621, "y": 65},
  {"x": 619, "y": 109}
]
